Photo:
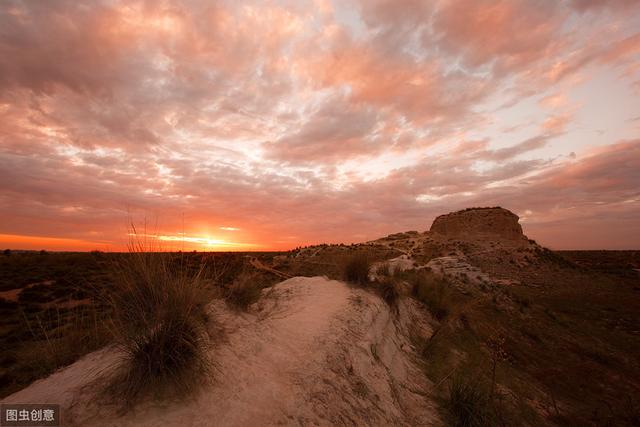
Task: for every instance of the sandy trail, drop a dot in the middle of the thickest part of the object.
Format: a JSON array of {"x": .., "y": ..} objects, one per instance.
[
  {"x": 312, "y": 352},
  {"x": 256, "y": 263}
]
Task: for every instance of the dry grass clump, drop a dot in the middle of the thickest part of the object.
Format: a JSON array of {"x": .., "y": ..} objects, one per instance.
[
  {"x": 469, "y": 403},
  {"x": 388, "y": 288},
  {"x": 434, "y": 292},
  {"x": 356, "y": 270},
  {"x": 387, "y": 283},
  {"x": 244, "y": 291},
  {"x": 159, "y": 318},
  {"x": 384, "y": 270}
]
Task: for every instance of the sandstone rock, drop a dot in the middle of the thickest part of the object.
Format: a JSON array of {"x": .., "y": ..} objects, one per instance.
[{"x": 489, "y": 224}]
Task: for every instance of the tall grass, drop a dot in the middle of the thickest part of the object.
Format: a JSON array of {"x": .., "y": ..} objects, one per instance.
[
  {"x": 434, "y": 292},
  {"x": 159, "y": 317},
  {"x": 385, "y": 270},
  {"x": 469, "y": 403},
  {"x": 386, "y": 283},
  {"x": 357, "y": 268},
  {"x": 244, "y": 291},
  {"x": 388, "y": 288},
  {"x": 62, "y": 337}
]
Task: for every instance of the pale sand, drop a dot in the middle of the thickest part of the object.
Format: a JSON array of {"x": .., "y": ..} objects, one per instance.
[{"x": 313, "y": 351}]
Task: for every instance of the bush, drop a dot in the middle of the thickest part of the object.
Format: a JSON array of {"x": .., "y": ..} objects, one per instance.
[
  {"x": 159, "y": 321},
  {"x": 244, "y": 291},
  {"x": 357, "y": 268},
  {"x": 384, "y": 270},
  {"x": 388, "y": 290},
  {"x": 469, "y": 403},
  {"x": 434, "y": 292}
]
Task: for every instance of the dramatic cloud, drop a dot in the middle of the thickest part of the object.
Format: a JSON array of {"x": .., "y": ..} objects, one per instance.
[
  {"x": 267, "y": 125},
  {"x": 509, "y": 35}
]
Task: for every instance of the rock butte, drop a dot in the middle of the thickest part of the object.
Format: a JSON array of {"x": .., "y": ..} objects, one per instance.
[{"x": 479, "y": 224}]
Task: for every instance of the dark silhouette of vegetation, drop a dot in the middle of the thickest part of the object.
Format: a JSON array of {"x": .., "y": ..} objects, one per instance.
[
  {"x": 244, "y": 291},
  {"x": 433, "y": 291},
  {"x": 469, "y": 403},
  {"x": 357, "y": 268},
  {"x": 159, "y": 323}
]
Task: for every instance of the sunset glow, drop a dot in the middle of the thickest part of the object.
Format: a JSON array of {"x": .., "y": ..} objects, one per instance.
[
  {"x": 270, "y": 125},
  {"x": 202, "y": 242}
]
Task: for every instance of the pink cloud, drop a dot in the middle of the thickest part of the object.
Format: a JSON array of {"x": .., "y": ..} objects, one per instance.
[
  {"x": 489, "y": 32},
  {"x": 298, "y": 124},
  {"x": 585, "y": 5},
  {"x": 556, "y": 124}
]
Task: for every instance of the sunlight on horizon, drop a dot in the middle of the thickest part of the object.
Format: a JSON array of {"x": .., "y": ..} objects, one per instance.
[{"x": 180, "y": 241}]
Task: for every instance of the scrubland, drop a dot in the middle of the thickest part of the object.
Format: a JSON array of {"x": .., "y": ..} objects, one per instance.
[{"x": 520, "y": 336}]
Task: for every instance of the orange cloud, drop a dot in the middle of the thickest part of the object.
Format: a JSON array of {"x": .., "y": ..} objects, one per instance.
[
  {"x": 485, "y": 32},
  {"x": 50, "y": 243},
  {"x": 556, "y": 124},
  {"x": 299, "y": 123}
]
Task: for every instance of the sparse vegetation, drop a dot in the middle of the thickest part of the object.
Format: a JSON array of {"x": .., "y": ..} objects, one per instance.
[
  {"x": 158, "y": 321},
  {"x": 244, "y": 291},
  {"x": 49, "y": 319},
  {"x": 57, "y": 295},
  {"x": 357, "y": 268},
  {"x": 388, "y": 288},
  {"x": 553, "y": 257},
  {"x": 384, "y": 270},
  {"x": 61, "y": 337},
  {"x": 545, "y": 338},
  {"x": 433, "y": 291},
  {"x": 615, "y": 263},
  {"x": 386, "y": 283},
  {"x": 469, "y": 402}
]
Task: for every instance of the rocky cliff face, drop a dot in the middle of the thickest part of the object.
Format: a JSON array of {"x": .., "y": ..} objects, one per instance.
[{"x": 494, "y": 224}]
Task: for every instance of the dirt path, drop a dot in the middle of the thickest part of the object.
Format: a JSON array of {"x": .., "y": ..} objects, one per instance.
[
  {"x": 256, "y": 263},
  {"x": 311, "y": 352}
]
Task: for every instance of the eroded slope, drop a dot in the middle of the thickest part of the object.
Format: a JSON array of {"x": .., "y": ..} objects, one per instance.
[{"x": 312, "y": 351}]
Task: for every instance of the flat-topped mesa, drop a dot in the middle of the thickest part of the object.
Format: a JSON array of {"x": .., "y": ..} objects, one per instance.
[{"x": 492, "y": 224}]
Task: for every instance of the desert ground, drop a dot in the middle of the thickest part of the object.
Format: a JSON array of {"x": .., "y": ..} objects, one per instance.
[{"x": 468, "y": 323}]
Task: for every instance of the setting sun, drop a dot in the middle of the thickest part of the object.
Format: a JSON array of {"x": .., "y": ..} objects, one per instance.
[{"x": 320, "y": 212}]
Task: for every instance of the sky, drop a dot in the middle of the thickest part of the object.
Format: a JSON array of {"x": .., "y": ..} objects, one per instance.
[{"x": 268, "y": 125}]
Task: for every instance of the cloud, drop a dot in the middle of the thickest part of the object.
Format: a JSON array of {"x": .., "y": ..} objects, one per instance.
[
  {"x": 335, "y": 130},
  {"x": 48, "y": 45},
  {"x": 491, "y": 33},
  {"x": 585, "y": 5},
  {"x": 515, "y": 150},
  {"x": 556, "y": 124},
  {"x": 298, "y": 123}
]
